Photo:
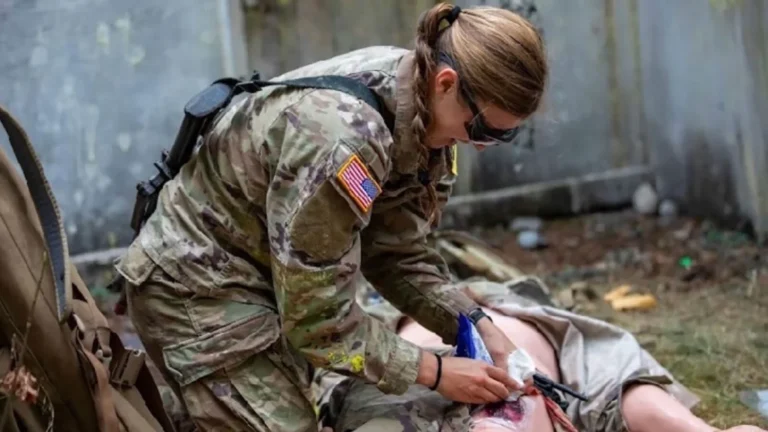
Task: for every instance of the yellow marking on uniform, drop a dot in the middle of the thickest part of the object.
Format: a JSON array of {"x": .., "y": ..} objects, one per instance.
[
  {"x": 358, "y": 182},
  {"x": 455, "y": 160},
  {"x": 357, "y": 363},
  {"x": 337, "y": 357}
]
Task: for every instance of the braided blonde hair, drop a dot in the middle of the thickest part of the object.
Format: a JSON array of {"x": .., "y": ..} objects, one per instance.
[{"x": 500, "y": 57}]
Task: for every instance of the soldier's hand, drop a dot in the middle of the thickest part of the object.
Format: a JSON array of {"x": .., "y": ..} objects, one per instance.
[
  {"x": 466, "y": 380},
  {"x": 474, "y": 381}
]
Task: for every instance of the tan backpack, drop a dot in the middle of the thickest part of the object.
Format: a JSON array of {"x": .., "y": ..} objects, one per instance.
[{"x": 62, "y": 367}]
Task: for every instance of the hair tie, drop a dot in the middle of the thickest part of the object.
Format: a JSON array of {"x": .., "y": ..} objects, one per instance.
[{"x": 453, "y": 15}]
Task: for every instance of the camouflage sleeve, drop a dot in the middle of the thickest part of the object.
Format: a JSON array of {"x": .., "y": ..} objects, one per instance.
[
  {"x": 410, "y": 274},
  {"x": 326, "y": 180}
]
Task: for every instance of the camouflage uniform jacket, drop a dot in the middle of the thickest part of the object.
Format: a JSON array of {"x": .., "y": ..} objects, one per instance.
[{"x": 294, "y": 198}]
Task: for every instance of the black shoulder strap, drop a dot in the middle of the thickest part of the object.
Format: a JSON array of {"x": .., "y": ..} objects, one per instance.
[
  {"x": 47, "y": 211},
  {"x": 328, "y": 82},
  {"x": 205, "y": 106}
]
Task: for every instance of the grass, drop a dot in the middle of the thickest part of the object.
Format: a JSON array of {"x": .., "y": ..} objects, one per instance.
[
  {"x": 714, "y": 341},
  {"x": 710, "y": 327}
]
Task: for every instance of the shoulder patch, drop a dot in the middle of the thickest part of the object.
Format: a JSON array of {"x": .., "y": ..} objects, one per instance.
[
  {"x": 455, "y": 160},
  {"x": 358, "y": 183}
]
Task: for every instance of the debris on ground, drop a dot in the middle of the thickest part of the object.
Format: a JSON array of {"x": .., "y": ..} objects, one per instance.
[
  {"x": 708, "y": 288},
  {"x": 531, "y": 240},
  {"x": 685, "y": 253},
  {"x": 622, "y": 298},
  {"x": 634, "y": 302},
  {"x": 462, "y": 249},
  {"x": 528, "y": 231},
  {"x": 645, "y": 199},
  {"x": 618, "y": 292},
  {"x": 757, "y": 400},
  {"x": 668, "y": 210},
  {"x": 526, "y": 224}
]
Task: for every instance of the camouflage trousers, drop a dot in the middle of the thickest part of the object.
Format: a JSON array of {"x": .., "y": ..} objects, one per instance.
[
  {"x": 595, "y": 358},
  {"x": 223, "y": 356}
]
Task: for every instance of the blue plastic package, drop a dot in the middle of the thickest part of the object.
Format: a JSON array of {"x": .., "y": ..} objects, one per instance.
[{"x": 469, "y": 344}]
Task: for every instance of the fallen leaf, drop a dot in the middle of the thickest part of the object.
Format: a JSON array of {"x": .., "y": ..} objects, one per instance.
[
  {"x": 634, "y": 302},
  {"x": 617, "y": 293}
]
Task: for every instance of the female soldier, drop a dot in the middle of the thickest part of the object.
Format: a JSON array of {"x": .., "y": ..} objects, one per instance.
[{"x": 244, "y": 278}]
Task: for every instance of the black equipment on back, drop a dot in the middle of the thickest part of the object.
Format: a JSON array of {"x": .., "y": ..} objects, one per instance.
[{"x": 206, "y": 105}]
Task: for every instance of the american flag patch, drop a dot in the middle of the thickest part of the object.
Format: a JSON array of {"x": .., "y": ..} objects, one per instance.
[{"x": 356, "y": 179}]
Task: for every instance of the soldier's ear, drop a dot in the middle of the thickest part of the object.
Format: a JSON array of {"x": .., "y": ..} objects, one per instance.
[{"x": 446, "y": 81}]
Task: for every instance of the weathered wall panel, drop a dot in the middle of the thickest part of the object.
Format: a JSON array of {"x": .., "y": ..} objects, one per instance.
[
  {"x": 100, "y": 87},
  {"x": 677, "y": 85},
  {"x": 705, "y": 96},
  {"x": 567, "y": 126},
  {"x": 285, "y": 34}
]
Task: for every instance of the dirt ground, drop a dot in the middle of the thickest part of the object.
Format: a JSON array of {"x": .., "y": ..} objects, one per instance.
[{"x": 710, "y": 325}]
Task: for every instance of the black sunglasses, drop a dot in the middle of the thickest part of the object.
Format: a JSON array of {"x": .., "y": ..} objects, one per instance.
[{"x": 478, "y": 129}]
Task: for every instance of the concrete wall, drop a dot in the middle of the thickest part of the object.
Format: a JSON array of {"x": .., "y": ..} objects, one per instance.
[
  {"x": 100, "y": 87},
  {"x": 677, "y": 87},
  {"x": 573, "y": 135},
  {"x": 705, "y": 89},
  {"x": 680, "y": 86}
]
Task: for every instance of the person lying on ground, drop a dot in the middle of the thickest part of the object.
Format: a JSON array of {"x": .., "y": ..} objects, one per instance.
[{"x": 627, "y": 389}]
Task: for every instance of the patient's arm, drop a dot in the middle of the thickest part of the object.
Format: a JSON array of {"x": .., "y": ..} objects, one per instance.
[
  {"x": 494, "y": 417},
  {"x": 645, "y": 408}
]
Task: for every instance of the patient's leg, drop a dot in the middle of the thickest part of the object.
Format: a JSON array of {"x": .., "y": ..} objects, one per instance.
[
  {"x": 647, "y": 408},
  {"x": 524, "y": 336}
]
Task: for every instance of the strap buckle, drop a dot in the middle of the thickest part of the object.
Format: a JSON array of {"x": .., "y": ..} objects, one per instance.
[{"x": 126, "y": 368}]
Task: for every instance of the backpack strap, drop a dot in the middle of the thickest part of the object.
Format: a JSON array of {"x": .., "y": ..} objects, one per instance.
[
  {"x": 206, "y": 105},
  {"x": 328, "y": 82},
  {"x": 47, "y": 211},
  {"x": 93, "y": 341}
]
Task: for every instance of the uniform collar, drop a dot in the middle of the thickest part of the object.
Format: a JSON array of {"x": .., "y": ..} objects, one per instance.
[{"x": 406, "y": 152}]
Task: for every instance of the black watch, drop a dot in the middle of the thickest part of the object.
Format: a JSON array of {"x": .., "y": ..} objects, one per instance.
[{"x": 476, "y": 315}]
